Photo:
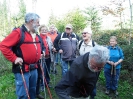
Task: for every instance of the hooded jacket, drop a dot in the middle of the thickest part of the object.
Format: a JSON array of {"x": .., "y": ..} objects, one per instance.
[{"x": 79, "y": 81}]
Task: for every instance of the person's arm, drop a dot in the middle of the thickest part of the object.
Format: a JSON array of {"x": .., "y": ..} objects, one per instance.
[
  {"x": 63, "y": 89},
  {"x": 56, "y": 42},
  {"x": 6, "y": 45},
  {"x": 121, "y": 57}
]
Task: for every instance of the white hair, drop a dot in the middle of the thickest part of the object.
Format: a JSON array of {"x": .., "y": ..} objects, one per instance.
[
  {"x": 31, "y": 16},
  {"x": 100, "y": 54}
]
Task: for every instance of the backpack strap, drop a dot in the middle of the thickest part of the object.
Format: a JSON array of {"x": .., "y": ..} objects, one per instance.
[
  {"x": 93, "y": 43},
  {"x": 61, "y": 35},
  {"x": 80, "y": 43},
  {"x": 22, "y": 36}
]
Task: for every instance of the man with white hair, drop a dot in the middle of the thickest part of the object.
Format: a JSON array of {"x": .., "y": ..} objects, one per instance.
[
  {"x": 25, "y": 53},
  {"x": 82, "y": 76}
]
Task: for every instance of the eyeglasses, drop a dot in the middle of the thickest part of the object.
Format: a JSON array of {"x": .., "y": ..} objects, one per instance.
[
  {"x": 85, "y": 33},
  {"x": 95, "y": 67}
]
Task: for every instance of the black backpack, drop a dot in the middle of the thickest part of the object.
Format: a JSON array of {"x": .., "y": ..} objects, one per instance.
[
  {"x": 93, "y": 43},
  {"x": 17, "y": 50}
]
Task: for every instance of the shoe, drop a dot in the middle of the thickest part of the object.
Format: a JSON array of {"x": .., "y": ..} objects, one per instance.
[
  {"x": 116, "y": 92},
  {"x": 39, "y": 96},
  {"x": 107, "y": 92}
]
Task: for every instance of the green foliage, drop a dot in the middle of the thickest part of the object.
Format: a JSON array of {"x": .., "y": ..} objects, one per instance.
[
  {"x": 7, "y": 86},
  {"x": 74, "y": 17},
  {"x": 4, "y": 64},
  {"x": 8, "y": 18},
  {"x": 77, "y": 19},
  {"x": 18, "y": 19},
  {"x": 93, "y": 19}
]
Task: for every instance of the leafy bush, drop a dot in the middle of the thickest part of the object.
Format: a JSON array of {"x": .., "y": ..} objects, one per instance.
[{"x": 4, "y": 64}]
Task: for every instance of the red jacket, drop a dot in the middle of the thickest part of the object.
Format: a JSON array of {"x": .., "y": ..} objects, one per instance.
[{"x": 30, "y": 54}]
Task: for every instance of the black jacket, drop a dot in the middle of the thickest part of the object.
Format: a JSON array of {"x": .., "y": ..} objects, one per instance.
[{"x": 79, "y": 81}]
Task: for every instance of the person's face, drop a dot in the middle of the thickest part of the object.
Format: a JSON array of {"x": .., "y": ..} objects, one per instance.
[
  {"x": 68, "y": 30},
  {"x": 95, "y": 67},
  {"x": 113, "y": 42},
  {"x": 35, "y": 25},
  {"x": 52, "y": 29},
  {"x": 43, "y": 30},
  {"x": 86, "y": 35}
]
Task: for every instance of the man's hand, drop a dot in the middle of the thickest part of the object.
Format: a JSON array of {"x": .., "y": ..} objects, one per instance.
[
  {"x": 54, "y": 50},
  {"x": 61, "y": 51},
  {"x": 18, "y": 61}
]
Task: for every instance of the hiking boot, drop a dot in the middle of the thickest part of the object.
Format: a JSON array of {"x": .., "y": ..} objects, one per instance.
[
  {"x": 39, "y": 96},
  {"x": 116, "y": 92},
  {"x": 107, "y": 92}
]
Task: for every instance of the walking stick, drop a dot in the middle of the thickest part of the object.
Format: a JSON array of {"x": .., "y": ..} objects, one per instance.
[
  {"x": 53, "y": 68},
  {"x": 24, "y": 82},
  {"x": 45, "y": 81},
  {"x": 112, "y": 70}
]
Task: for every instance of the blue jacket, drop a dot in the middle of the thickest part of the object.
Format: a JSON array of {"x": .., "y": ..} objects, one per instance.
[{"x": 116, "y": 53}]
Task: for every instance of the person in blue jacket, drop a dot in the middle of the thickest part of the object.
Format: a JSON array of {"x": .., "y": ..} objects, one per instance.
[{"x": 113, "y": 66}]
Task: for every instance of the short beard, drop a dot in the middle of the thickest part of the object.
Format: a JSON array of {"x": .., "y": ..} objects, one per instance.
[{"x": 35, "y": 28}]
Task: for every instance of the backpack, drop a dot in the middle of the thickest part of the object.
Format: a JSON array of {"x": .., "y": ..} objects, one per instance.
[
  {"x": 17, "y": 50},
  {"x": 93, "y": 43}
]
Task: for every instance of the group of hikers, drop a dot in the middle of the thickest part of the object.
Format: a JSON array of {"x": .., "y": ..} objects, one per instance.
[{"x": 35, "y": 55}]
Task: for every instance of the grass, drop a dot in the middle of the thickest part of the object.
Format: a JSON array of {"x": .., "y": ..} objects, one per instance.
[{"x": 7, "y": 86}]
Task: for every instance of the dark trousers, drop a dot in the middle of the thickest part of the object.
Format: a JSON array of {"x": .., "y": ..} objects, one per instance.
[{"x": 47, "y": 69}]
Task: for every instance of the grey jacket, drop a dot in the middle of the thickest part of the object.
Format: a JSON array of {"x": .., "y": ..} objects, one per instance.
[
  {"x": 68, "y": 44},
  {"x": 50, "y": 46}
]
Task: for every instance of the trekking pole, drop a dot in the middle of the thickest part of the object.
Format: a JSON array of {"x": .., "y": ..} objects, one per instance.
[
  {"x": 24, "y": 82},
  {"x": 41, "y": 66},
  {"x": 45, "y": 82},
  {"x": 112, "y": 69},
  {"x": 48, "y": 70},
  {"x": 54, "y": 68}
]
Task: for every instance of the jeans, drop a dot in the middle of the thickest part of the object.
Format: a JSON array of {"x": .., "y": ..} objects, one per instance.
[
  {"x": 31, "y": 80},
  {"x": 65, "y": 65},
  {"x": 111, "y": 80}
]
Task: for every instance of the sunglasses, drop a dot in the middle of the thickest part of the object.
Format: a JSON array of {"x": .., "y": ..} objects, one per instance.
[
  {"x": 68, "y": 28},
  {"x": 85, "y": 33}
]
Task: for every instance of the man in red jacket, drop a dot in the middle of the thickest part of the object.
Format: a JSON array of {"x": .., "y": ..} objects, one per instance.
[{"x": 29, "y": 53}]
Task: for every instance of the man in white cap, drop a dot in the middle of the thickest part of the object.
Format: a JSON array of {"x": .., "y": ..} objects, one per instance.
[
  {"x": 85, "y": 46},
  {"x": 87, "y": 43}
]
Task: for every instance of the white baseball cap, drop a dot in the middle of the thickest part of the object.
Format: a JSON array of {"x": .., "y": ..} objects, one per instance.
[{"x": 88, "y": 30}]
